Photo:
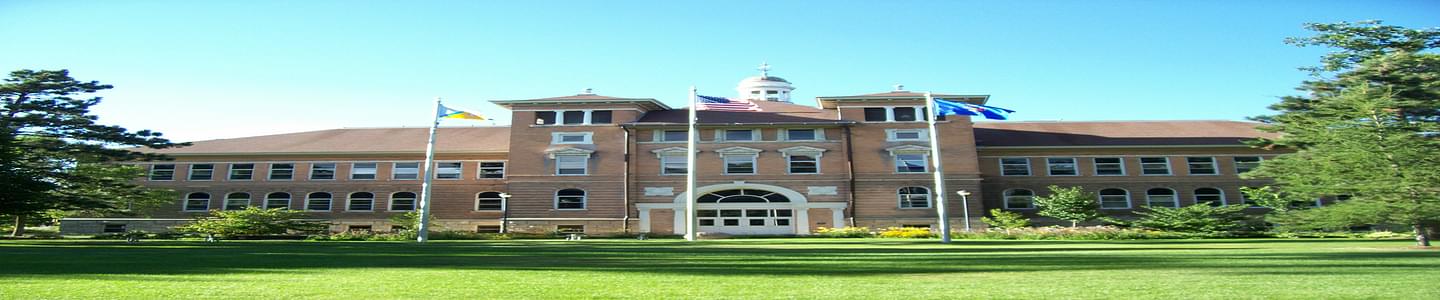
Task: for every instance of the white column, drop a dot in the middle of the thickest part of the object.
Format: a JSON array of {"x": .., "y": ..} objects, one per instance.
[
  {"x": 679, "y": 220},
  {"x": 802, "y": 220},
  {"x": 644, "y": 220},
  {"x": 838, "y": 214}
]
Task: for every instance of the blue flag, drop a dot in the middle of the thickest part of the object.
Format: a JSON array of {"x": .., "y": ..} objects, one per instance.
[{"x": 947, "y": 107}]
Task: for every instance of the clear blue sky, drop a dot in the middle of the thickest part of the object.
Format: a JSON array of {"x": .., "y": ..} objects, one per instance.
[{"x": 210, "y": 69}]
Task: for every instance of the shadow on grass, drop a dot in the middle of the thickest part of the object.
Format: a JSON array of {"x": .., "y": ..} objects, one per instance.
[{"x": 726, "y": 257}]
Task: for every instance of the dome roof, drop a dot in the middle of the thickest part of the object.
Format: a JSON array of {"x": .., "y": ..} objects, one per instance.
[{"x": 766, "y": 78}]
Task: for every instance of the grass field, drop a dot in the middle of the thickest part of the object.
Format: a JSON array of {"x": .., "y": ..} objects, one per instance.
[{"x": 762, "y": 268}]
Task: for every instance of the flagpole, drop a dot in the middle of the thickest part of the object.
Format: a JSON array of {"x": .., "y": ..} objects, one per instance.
[
  {"x": 423, "y": 230},
  {"x": 692, "y": 134},
  {"x": 939, "y": 173}
]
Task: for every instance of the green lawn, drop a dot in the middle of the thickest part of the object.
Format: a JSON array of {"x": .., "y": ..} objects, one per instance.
[{"x": 761, "y": 268}]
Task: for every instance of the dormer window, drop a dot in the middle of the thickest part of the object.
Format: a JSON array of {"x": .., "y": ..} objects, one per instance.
[{"x": 574, "y": 117}]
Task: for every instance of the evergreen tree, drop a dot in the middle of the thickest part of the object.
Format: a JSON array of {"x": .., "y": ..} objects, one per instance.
[
  {"x": 53, "y": 155},
  {"x": 1071, "y": 204}
]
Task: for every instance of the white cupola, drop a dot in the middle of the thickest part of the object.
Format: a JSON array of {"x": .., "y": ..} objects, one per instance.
[{"x": 765, "y": 87}]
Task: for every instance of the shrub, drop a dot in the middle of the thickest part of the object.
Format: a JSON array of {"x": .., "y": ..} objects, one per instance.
[
  {"x": 1195, "y": 219},
  {"x": 254, "y": 221},
  {"x": 365, "y": 236},
  {"x": 467, "y": 235},
  {"x": 845, "y": 232},
  {"x": 1005, "y": 220},
  {"x": 1071, "y": 233},
  {"x": 907, "y": 233}
]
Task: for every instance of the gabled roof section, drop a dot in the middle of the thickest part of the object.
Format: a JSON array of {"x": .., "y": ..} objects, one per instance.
[
  {"x": 831, "y": 102},
  {"x": 354, "y": 141},
  {"x": 1116, "y": 133},
  {"x": 770, "y": 113},
  {"x": 647, "y": 103}
]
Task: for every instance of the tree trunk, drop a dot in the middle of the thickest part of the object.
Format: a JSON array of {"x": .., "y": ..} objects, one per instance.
[
  {"x": 1422, "y": 235},
  {"x": 19, "y": 226},
  {"x": 1074, "y": 224}
]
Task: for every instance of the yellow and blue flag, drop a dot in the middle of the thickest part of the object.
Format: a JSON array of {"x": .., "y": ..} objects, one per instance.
[
  {"x": 947, "y": 107},
  {"x": 451, "y": 113}
]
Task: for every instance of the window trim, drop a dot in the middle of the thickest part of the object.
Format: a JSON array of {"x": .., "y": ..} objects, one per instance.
[
  {"x": 150, "y": 176},
  {"x": 558, "y": 138},
  {"x": 660, "y": 136},
  {"x": 350, "y": 199},
  {"x": 480, "y": 169},
  {"x": 585, "y": 171},
  {"x": 185, "y": 206},
  {"x": 790, "y": 162},
  {"x": 584, "y": 199},
  {"x": 1214, "y": 165},
  {"x": 1074, "y": 163},
  {"x": 334, "y": 170},
  {"x": 190, "y": 173},
  {"x": 498, "y": 196},
  {"x": 270, "y": 171},
  {"x": 895, "y": 162},
  {"x": 289, "y": 200},
  {"x": 375, "y": 175},
  {"x": 1028, "y": 170},
  {"x": 459, "y": 170},
  {"x": 754, "y": 163},
  {"x": 414, "y": 204},
  {"x": 900, "y": 198},
  {"x": 1169, "y": 169},
  {"x": 816, "y": 135},
  {"x": 230, "y": 172},
  {"x": 892, "y": 135},
  {"x": 1174, "y": 196},
  {"x": 683, "y": 160},
  {"x": 1095, "y": 166},
  {"x": 311, "y": 196},
  {"x": 1236, "y": 163},
  {"x": 1195, "y": 195},
  {"x": 1129, "y": 202},
  {"x": 249, "y": 199},
  {"x": 724, "y": 135},
  {"x": 395, "y": 168},
  {"x": 1005, "y": 198}
]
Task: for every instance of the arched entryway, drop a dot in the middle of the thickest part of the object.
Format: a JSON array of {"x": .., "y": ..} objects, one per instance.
[{"x": 744, "y": 209}]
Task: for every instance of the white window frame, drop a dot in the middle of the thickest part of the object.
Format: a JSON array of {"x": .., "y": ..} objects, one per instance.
[
  {"x": 790, "y": 162},
  {"x": 477, "y": 201},
  {"x": 1174, "y": 197},
  {"x": 924, "y": 160},
  {"x": 1101, "y": 198},
  {"x": 665, "y": 159},
  {"x": 249, "y": 198},
  {"x": 929, "y": 198},
  {"x": 1169, "y": 170},
  {"x": 190, "y": 173},
  {"x": 395, "y": 170},
  {"x": 1006, "y": 195},
  {"x": 753, "y": 158},
  {"x": 585, "y": 164},
  {"x": 558, "y": 138},
  {"x": 330, "y": 202},
  {"x": 459, "y": 170},
  {"x": 350, "y": 199},
  {"x": 414, "y": 202},
  {"x": 892, "y": 135},
  {"x": 1234, "y": 160},
  {"x": 584, "y": 199},
  {"x": 270, "y": 171},
  {"x": 289, "y": 200},
  {"x": 1050, "y": 167},
  {"x": 1028, "y": 170},
  {"x": 185, "y": 206},
  {"x": 1095, "y": 164},
  {"x": 334, "y": 170},
  {"x": 1214, "y": 165},
  {"x": 724, "y": 135},
  {"x": 154, "y": 170},
  {"x": 374, "y": 173},
  {"x": 816, "y": 134},
  {"x": 1196, "y": 196},
  {"x": 230, "y": 172},
  {"x": 660, "y": 136},
  {"x": 480, "y": 169}
]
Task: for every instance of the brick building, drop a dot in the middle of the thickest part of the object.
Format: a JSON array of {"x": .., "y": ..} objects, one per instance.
[{"x": 599, "y": 164}]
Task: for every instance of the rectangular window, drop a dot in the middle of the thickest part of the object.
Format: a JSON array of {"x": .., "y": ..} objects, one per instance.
[
  {"x": 903, "y": 114},
  {"x": 875, "y": 114},
  {"x": 492, "y": 170},
  {"x": 489, "y": 202},
  {"x": 911, "y": 163},
  {"x": 242, "y": 171},
  {"x": 447, "y": 170},
  {"x": 1114, "y": 199},
  {"x": 165, "y": 172},
  {"x": 405, "y": 171},
  {"x": 739, "y": 164},
  {"x": 402, "y": 204},
  {"x": 361, "y": 204},
  {"x": 282, "y": 171},
  {"x": 545, "y": 118},
  {"x": 1059, "y": 166},
  {"x": 319, "y": 202},
  {"x": 570, "y": 138},
  {"x": 674, "y": 136},
  {"x": 1015, "y": 166},
  {"x": 600, "y": 117},
  {"x": 202, "y": 172},
  {"x": 1202, "y": 166},
  {"x": 804, "y": 164},
  {"x": 673, "y": 165},
  {"x": 574, "y": 117},
  {"x": 1246, "y": 163},
  {"x": 322, "y": 171},
  {"x": 1155, "y": 166},
  {"x": 363, "y": 171},
  {"x": 907, "y": 135},
  {"x": 1109, "y": 166},
  {"x": 739, "y": 135},
  {"x": 800, "y": 135},
  {"x": 572, "y": 164}
]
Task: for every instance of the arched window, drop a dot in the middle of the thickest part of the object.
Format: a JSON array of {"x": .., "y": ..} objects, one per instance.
[
  {"x": 1210, "y": 196},
  {"x": 402, "y": 201},
  {"x": 237, "y": 201},
  {"x": 570, "y": 199},
  {"x": 489, "y": 201},
  {"x": 318, "y": 201},
  {"x": 1019, "y": 199},
  {"x": 743, "y": 196},
  {"x": 1161, "y": 197},
  {"x": 277, "y": 200},
  {"x": 914, "y": 197},
  {"x": 197, "y": 202},
  {"x": 1114, "y": 199},
  {"x": 361, "y": 201}
]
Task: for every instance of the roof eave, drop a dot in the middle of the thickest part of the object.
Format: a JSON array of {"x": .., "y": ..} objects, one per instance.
[
  {"x": 650, "y": 103},
  {"x": 831, "y": 102}
]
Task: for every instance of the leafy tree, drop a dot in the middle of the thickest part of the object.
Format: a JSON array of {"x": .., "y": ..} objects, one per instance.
[
  {"x": 411, "y": 221},
  {"x": 1071, "y": 204},
  {"x": 1195, "y": 219},
  {"x": 53, "y": 155},
  {"x": 1365, "y": 127},
  {"x": 1005, "y": 220},
  {"x": 1277, "y": 201},
  {"x": 254, "y": 221}
]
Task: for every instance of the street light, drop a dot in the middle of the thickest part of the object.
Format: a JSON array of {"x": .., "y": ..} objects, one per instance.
[
  {"x": 504, "y": 212},
  {"x": 965, "y": 207}
]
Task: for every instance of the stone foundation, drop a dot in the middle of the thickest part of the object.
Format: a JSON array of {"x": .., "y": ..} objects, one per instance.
[{"x": 92, "y": 226}]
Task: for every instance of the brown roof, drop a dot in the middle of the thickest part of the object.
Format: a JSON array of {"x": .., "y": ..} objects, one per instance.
[
  {"x": 648, "y": 103},
  {"x": 381, "y": 140},
  {"x": 583, "y": 97},
  {"x": 1116, "y": 133},
  {"x": 770, "y": 112}
]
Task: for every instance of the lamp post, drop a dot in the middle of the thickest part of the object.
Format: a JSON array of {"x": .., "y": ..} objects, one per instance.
[
  {"x": 965, "y": 207},
  {"x": 504, "y": 212}
]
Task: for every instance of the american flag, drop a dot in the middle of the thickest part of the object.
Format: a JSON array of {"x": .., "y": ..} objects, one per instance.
[{"x": 723, "y": 104}]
